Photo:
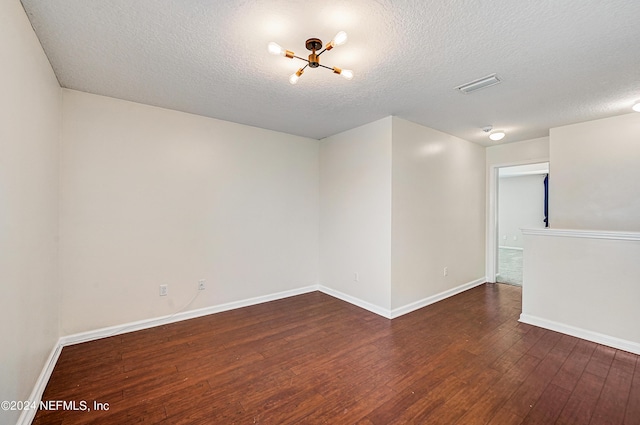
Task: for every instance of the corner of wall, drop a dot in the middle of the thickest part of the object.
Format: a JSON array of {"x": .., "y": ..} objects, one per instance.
[
  {"x": 29, "y": 181},
  {"x": 438, "y": 213},
  {"x": 355, "y": 213}
]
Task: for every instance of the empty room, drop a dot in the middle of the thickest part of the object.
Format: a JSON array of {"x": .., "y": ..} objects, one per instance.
[{"x": 302, "y": 212}]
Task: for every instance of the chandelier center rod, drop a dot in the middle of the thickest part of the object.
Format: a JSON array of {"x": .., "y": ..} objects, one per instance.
[{"x": 314, "y": 44}]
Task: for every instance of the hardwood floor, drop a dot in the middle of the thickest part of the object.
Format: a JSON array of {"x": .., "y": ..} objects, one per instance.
[{"x": 312, "y": 359}]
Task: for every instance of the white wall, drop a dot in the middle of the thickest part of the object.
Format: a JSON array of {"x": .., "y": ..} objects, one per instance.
[
  {"x": 355, "y": 212},
  {"x": 29, "y": 136},
  {"x": 438, "y": 212},
  {"x": 584, "y": 284},
  {"x": 595, "y": 174},
  {"x": 528, "y": 151},
  {"x": 151, "y": 196},
  {"x": 576, "y": 280},
  {"x": 520, "y": 205}
]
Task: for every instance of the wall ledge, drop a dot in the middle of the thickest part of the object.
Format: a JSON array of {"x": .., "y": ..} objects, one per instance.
[{"x": 586, "y": 234}]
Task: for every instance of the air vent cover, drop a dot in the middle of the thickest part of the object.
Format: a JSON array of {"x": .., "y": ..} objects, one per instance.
[{"x": 489, "y": 80}]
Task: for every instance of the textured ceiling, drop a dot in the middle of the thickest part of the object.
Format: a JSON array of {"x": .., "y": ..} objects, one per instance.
[{"x": 561, "y": 61}]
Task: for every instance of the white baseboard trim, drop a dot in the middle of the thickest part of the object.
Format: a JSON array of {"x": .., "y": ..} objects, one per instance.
[
  {"x": 381, "y": 311},
  {"x": 514, "y": 248},
  {"x": 610, "y": 341},
  {"x": 396, "y": 312},
  {"x": 178, "y": 317},
  {"x": 27, "y": 416}
]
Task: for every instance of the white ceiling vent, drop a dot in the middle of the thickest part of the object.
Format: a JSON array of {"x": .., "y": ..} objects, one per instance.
[{"x": 489, "y": 80}]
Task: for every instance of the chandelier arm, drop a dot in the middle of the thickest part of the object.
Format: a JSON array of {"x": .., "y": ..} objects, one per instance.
[
  {"x": 323, "y": 50},
  {"x": 323, "y": 66},
  {"x": 302, "y": 59}
]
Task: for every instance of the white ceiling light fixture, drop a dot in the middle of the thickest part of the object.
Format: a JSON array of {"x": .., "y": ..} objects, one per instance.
[
  {"x": 497, "y": 135},
  {"x": 488, "y": 81},
  {"x": 494, "y": 135},
  {"x": 313, "y": 44},
  {"x": 636, "y": 107}
]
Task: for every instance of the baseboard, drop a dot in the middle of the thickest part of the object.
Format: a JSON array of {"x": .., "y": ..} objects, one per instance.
[
  {"x": 178, "y": 317},
  {"x": 610, "y": 341},
  {"x": 514, "y": 248},
  {"x": 384, "y": 312},
  {"x": 396, "y": 312},
  {"x": 27, "y": 416}
]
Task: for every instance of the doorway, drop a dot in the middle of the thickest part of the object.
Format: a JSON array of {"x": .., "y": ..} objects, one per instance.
[{"x": 518, "y": 200}]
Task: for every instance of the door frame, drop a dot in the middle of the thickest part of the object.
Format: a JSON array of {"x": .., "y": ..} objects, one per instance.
[{"x": 491, "y": 267}]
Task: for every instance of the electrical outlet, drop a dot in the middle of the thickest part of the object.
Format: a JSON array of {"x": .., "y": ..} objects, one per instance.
[
  {"x": 356, "y": 277},
  {"x": 164, "y": 290},
  {"x": 201, "y": 283},
  {"x": 445, "y": 272}
]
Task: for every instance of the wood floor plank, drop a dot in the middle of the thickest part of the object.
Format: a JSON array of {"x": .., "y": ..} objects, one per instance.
[
  {"x": 632, "y": 412},
  {"x": 536, "y": 382},
  {"x": 548, "y": 407},
  {"x": 570, "y": 372},
  {"x": 456, "y": 405},
  {"x": 518, "y": 350},
  {"x": 612, "y": 403},
  {"x": 581, "y": 404},
  {"x": 314, "y": 359},
  {"x": 505, "y": 417},
  {"x": 484, "y": 409},
  {"x": 600, "y": 361}
]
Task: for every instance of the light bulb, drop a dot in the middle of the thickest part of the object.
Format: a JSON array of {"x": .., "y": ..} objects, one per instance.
[
  {"x": 636, "y": 107},
  {"x": 296, "y": 76},
  {"x": 275, "y": 49},
  {"x": 497, "y": 135},
  {"x": 347, "y": 74},
  {"x": 339, "y": 39}
]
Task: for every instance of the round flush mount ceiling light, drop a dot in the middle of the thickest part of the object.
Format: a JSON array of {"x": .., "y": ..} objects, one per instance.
[
  {"x": 315, "y": 46},
  {"x": 494, "y": 135},
  {"x": 636, "y": 107},
  {"x": 497, "y": 135}
]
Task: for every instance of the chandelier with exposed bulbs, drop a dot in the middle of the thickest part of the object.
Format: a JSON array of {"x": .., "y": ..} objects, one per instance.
[{"x": 313, "y": 44}]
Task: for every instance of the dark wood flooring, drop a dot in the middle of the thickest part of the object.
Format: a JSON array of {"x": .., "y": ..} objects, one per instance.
[{"x": 312, "y": 359}]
